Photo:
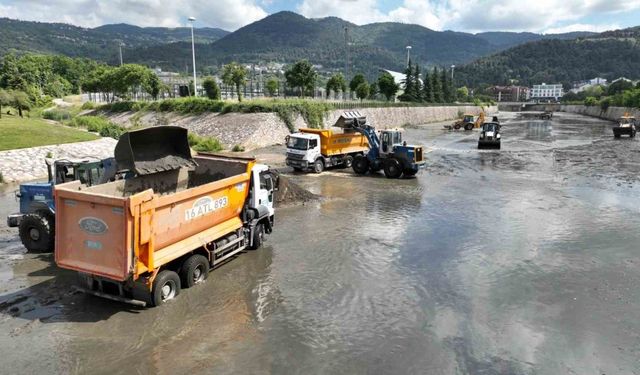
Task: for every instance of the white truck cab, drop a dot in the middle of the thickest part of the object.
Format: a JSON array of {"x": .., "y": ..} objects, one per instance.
[
  {"x": 263, "y": 188},
  {"x": 303, "y": 149}
]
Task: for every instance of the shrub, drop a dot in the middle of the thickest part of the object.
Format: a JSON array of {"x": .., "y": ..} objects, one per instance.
[
  {"x": 237, "y": 148},
  {"x": 57, "y": 114},
  {"x": 1, "y": 178},
  {"x": 99, "y": 125},
  {"x": 49, "y": 155},
  {"x": 590, "y": 101},
  {"x": 87, "y": 105},
  {"x": 204, "y": 144}
]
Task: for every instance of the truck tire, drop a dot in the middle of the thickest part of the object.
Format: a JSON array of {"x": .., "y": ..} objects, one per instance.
[
  {"x": 457, "y": 126},
  {"x": 360, "y": 164},
  {"x": 258, "y": 237},
  {"x": 194, "y": 270},
  {"x": 348, "y": 161},
  {"x": 468, "y": 126},
  {"x": 392, "y": 168},
  {"x": 166, "y": 287},
  {"x": 37, "y": 233},
  {"x": 409, "y": 172},
  {"x": 318, "y": 166}
]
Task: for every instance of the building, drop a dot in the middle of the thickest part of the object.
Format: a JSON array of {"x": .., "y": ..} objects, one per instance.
[
  {"x": 509, "y": 93},
  {"x": 547, "y": 92}
]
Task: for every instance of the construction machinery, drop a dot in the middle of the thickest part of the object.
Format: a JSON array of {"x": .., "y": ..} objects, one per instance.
[
  {"x": 317, "y": 149},
  {"x": 468, "y": 122},
  {"x": 490, "y": 136},
  {"x": 387, "y": 151},
  {"x": 36, "y": 219},
  {"x": 142, "y": 239},
  {"x": 627, "y": 125}
]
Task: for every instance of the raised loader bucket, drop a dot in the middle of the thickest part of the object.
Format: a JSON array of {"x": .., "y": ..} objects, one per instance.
[{"x": 153, "y": 150}]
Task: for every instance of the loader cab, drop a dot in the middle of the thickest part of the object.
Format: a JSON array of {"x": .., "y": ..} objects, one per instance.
[
  {"x": 88, "y": 172},
  {"x": 389, "y": 138}
]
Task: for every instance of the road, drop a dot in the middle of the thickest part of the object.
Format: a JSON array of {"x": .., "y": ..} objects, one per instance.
[{"x": 518, "y": 261}]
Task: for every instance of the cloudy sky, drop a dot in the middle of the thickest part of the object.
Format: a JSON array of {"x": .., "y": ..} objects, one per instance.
[{"x": 546, "y": 16}]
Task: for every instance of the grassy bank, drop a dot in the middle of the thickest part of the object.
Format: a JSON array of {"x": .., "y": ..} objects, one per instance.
[{"x": 16, "y": 132}]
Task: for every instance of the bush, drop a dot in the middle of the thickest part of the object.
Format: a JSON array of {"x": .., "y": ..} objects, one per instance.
[
  {"x": 88, "y": 105},
  {"x": 204, "y": 144},
  {"x": 1, "y": 178},
  {"x": 312, "y": 112},
  {"x": 57, "y": 114},
  {"x": 590, "y": 101},
  {"x": 237, "y": 148},
  {"x": 100, "y": 125}
]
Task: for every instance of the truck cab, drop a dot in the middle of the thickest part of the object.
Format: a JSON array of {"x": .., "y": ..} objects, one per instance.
[
  {"x": 36, "y": 217},
  {"x": 303, "y": 150}
]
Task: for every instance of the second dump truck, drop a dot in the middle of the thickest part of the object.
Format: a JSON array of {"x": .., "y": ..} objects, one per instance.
[
  {"x": 317, "y": 149},
  {"x": 140, "y": 240}
]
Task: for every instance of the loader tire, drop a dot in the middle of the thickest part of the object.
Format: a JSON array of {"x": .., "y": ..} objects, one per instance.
[
  {"x": 392, "y": 168},
  {"x": 166, "y": 286},
  {"x": 37, "y": 233},
  {"x": 360, "y": 164},
  {"x": 409, "y": 172},
  {"x": 457, "y": 126},
  {"x": 468, "y": 127},
  {"x": 194, "y": 270}
]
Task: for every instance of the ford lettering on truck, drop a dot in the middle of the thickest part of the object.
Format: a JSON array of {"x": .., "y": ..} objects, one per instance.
[{"x": 204, "y": 206}]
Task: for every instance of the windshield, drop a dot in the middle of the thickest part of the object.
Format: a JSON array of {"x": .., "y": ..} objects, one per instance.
[
  {"x": 298, "y": 143},
  {"x": 489, "y": 127},
  {"x": 625, "y": 121}
]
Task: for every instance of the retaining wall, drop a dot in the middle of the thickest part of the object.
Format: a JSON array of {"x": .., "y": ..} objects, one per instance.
[{"x": 612, "y": 113}]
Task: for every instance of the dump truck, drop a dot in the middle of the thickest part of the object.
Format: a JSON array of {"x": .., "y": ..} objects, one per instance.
[
  {"x": 36, "y": 218},
  {"x": 317, "y": 149},
  {"x": 626, "y": 126},
  {"x": 142, "y": 239}
]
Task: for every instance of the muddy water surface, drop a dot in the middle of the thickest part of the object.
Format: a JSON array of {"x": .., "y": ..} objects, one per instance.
[{"x": 519, "y": 261}]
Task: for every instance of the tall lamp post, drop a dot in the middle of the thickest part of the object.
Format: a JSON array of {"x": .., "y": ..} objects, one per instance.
[
  {"x": 408, "y": 55},
  {"x": 120, "y": 45},
  {"x": 453, "y": 67},
  {"x": 193, "y": 53}
]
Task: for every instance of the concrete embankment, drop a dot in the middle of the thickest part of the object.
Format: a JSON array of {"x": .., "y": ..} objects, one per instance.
[
  {"x": 612, "y": 113},
  {"x": 29, "y": 163},
  {"x": 255, "y": 130}
]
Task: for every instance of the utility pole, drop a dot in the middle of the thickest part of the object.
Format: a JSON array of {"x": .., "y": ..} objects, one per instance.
[
  {"x": 193, "y": 53},
  {"x": 408, "y": 55},
  {"x": 120, "y": 45},
  {"x": 453, "y": 67},
  {"x": 346, "y": 49}
]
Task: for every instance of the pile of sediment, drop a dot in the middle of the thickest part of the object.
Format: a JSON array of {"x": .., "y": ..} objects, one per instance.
[{"x": 290, "y": 193}]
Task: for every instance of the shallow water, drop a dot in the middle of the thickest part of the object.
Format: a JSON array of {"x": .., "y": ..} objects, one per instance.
[{"x": 519, "y": 261}]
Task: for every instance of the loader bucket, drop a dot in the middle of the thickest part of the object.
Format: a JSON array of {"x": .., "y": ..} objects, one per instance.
[{"x": 153, "y": 150}]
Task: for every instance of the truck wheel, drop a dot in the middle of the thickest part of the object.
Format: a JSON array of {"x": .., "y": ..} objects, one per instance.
[
  {"x": 360, "y": 164},
  {"x": 392, "y": 168},
  {"x": 258, "y": 237},
  {"x": 468, "y": 127},
  {"x": 318, "y": 166},
  {"x": 457, "y": 126},
  {"x": 37, "y": 233},
  {"x": 166, "y": 286},
  {"x": 409, "y": 172},
  {"x": 348, "y": 161},
  {"x": 194, "y": 270}
]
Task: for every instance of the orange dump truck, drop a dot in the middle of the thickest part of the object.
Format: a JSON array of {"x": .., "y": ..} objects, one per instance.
[
  {"x": 141, "y": 239},
  {"x": 317, "y": 149}
]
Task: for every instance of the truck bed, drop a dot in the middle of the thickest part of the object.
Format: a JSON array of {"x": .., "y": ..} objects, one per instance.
[{"x": 125, "y": 228}]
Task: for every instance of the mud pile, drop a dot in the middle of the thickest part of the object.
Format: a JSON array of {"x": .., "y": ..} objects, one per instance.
[{"x": 289, "y": 193}]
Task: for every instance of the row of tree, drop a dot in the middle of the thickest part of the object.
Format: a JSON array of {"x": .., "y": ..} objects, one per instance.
[{"x": 434, "y": 87}]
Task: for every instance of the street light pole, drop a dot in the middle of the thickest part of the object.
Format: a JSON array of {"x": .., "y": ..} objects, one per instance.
[
  {"x": 408, "y": 55},
  {"x": 120, "y": 45},
  {"x": 453, "y": 67},
  {"x": 193, "y": 53}
]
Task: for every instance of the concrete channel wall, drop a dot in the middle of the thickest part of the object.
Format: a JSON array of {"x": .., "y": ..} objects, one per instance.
[
  {"x": 255, "y": 130},
  {"x": 612, "y": 113}
]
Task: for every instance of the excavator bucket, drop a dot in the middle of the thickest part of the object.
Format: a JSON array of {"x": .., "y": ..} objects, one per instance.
[
  {"x": 153, "y": 150},
  {"x": 350, "y": 120}
]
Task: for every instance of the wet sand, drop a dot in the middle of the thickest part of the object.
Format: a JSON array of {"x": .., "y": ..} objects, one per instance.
[{"x": 518, "y": 261}]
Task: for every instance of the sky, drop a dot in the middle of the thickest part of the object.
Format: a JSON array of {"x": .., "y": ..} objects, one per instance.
[{"x": 542, "y": 16}]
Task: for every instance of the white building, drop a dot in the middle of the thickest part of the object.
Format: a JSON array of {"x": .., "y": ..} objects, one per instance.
[{"x": 544, "y": 91}]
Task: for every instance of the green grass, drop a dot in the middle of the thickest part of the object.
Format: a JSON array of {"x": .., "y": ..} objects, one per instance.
[{"x": 16, "y": 132}]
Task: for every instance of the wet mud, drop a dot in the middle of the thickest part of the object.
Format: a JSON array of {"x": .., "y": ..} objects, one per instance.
[{"x": 518, "y": 261}]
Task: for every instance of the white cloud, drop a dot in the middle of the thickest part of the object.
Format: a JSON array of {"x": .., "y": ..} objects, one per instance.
[
  {"x": 226, "y": 14},
  {"x": 473, "y": 15}
]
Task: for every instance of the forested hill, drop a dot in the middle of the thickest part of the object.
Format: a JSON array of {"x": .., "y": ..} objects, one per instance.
[
  {"x": 609, "y": 55},
  {"x": 100, "y": 43},
  {"x": 281, "y": 37}
]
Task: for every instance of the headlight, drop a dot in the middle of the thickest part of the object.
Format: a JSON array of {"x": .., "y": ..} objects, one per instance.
[{"x": 498, "y": 136}]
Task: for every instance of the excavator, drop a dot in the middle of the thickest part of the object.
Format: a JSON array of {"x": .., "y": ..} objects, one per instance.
[{"x": 468, "y": 122}]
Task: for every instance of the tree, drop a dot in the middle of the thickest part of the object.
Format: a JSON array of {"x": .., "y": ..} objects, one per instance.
[
  {"x": 5, "y": 99},
  {"x": 590, "y": 101},
  {"x": 302, "y": 76},
  {"x": 619, "y": 86},
  {"x": 152, "y": 84},
  {"x": 462, "y": 94},
  {"x": 362, "y": 91},
  {"x": 373, "y": 89},
  {"x": 21, "y": 101},
  {"x": 356, "y": 81},
  {"x": 336, "y": 83},
  {"x": 416, "y": 93},
  {"x": 234, "y": 74},
  {"x": 436, "y": 85},
  {"x": 272, "y": 86},
  {"x": 211, "y": 89},
  {"x": 408, "y": 84},
  {"x": 427, "y": 88},
  {"x": 387, "y": 85},
  {"x": 447, "y": 94}
]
